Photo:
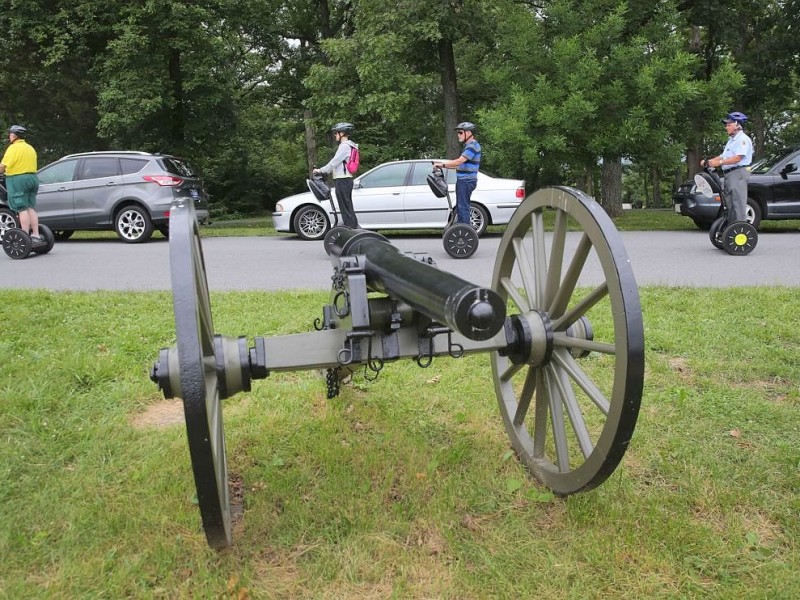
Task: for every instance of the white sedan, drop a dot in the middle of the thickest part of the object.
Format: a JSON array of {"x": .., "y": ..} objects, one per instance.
[{"x": 396, "y": 195}]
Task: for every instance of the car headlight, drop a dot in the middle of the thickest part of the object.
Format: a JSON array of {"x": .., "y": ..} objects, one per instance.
[{"x": 279, "y": 207}]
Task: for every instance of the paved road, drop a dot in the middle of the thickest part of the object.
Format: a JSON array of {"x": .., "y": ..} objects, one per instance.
[{"x": 684, "y": 258}]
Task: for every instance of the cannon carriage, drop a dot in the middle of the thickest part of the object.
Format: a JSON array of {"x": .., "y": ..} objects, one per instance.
[{"x": 567, "y": 360}]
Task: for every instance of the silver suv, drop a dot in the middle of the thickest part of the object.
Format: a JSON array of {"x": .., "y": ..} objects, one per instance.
[{"x": 129, "y": 192}]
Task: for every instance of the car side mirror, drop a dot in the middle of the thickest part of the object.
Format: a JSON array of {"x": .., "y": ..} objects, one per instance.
[{"x": 789, "y": 168}]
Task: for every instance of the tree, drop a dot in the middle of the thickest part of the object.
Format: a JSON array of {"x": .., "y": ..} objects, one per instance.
[
  {"x": 397, "y": 75},
  {"x": 604, "y": 81}
]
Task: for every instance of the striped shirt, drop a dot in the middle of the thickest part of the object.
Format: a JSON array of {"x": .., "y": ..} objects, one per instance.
[{"x": 468, "y": 171}]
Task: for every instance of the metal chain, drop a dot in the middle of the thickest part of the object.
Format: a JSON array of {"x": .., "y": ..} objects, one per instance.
[{"x": 332, "y": 381}]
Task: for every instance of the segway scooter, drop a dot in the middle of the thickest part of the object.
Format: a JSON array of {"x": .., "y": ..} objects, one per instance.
[
  {"x": 738, "y": 238},
  {"x": 460, "y": 240},
  {"x": 18, "y": 244},
  {"x": 322, "y": 192}
]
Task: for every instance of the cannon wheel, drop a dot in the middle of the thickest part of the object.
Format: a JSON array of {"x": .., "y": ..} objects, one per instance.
[
  {"x": 570, "y": 409},
  {"x": 198, "y": 376}
]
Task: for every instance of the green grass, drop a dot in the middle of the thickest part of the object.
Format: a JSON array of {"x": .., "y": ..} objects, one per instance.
[{"x": 399, "y": 488}]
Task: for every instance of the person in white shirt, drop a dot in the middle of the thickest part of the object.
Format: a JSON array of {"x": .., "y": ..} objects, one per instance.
[{"x": 734, "y": 160}]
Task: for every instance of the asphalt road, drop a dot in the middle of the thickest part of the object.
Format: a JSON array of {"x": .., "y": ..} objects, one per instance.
[{"x": 682, "y": 258}]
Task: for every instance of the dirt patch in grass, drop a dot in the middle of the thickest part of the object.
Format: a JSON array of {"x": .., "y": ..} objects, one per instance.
[{"x": 160, "y": 415}]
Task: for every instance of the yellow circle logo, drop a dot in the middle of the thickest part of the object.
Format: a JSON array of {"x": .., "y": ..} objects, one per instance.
[{"x": 740, "y": 239}]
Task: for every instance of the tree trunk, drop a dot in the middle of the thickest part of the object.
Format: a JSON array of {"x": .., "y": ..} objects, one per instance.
[
  {"x": 177, "y": 121},
  {"x": 657, "y": 202},
  {"x": 447, "y": 64},
  {"x": 759, "y": 135},
  {"x": 611, "y": 185},
  {"x": 693, "y": 157},
  {"x": 585, "y": 182},
  {"x": 311, "y": 141}
]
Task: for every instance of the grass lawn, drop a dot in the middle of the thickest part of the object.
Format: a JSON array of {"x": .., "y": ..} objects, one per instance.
[{"x": 399, "y": 488}]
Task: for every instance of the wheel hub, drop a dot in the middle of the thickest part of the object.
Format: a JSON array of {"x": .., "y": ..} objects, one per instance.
[{"x": 531, "y": 339}]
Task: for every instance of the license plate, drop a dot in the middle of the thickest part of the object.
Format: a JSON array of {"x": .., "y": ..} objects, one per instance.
[{"x": 678, "y": 208}]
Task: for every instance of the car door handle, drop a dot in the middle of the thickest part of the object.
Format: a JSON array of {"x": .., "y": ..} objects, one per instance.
[
  {"x": 110, "y": 183},
  {"x": 395, "y": 193}
]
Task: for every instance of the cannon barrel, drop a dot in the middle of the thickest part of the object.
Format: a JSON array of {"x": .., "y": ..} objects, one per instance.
[{"x": 475, "y": 312}]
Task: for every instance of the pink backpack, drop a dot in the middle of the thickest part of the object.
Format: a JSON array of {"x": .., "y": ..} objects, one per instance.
[{"x": 351, "y": 164}]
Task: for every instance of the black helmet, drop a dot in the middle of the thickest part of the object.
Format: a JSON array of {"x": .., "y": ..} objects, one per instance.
[
  {"x": 465, "y": 126},
  {"x": 735, "y": 117},
  {"x": 17, "y": 130},
  {"x": 346, "y": 128}
]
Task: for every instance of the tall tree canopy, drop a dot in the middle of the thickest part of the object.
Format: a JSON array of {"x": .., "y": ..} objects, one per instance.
[{"x": 563, "y": 91}]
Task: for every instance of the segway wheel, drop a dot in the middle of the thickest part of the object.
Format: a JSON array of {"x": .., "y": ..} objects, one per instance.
[
  {"x": 17, "y": 244},
  {"x": 740, "y": 238},
  {"x": 460, "y": 240},
  {"x": 715, "y": 233},
  {"x": 332, "y": 237},
  {"x": 48, "y": 240}
]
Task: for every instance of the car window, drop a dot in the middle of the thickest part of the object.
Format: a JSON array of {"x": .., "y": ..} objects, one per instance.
[
  {"x": 101, "y": 166},
  {"x": 131, "y": 165},
  {"x": 177, "y": 166},
  {"x": 421, "y": 171},
  {"x": 58, "y": 172},
  {"x": 763, "y": 165},
  {"x": 386, "y": 176},
  {"x": 419, "y": 176}
]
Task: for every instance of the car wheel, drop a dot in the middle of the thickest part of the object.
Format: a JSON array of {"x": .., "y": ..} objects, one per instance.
[
  {"x": 753, "y": 213},
  {"x": 8, "y": 218},
  {"x": 702, "y": 225},
  {"x": 478, "y": 218},
  {"x": 311, "y": 223},
  {"x": 164, "y": 230},
  {"x": 133, "y": 225},
  {"x": 62, "y": 234}
]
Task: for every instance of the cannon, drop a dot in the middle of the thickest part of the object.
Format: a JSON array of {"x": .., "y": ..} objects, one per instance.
[{"x": 567, "y": 357}]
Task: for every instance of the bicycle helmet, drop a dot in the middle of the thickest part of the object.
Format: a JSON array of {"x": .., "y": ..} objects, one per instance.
[
  {"x": 735, "y": 117},
  {"x": 346, "y": 128},
  {"x": 465, "y": 126},
  {"x": 17, "y": 130}
]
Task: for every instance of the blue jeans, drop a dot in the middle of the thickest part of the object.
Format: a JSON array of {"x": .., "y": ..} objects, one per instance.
[{"x": 464, "y": 191}]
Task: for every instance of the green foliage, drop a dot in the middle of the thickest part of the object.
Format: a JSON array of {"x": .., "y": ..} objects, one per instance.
[{"x": 557, "y": 88}]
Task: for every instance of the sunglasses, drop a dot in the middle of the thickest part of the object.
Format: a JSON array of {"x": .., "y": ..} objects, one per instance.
[{"x": 461, "y": 132}]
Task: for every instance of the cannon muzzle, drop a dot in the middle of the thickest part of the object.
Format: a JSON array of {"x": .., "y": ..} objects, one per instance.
[{"x": 475, "y": 312}]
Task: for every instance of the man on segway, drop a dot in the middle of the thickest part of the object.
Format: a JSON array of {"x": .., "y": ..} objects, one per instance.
[
  {"x": 466, "y": 166},
  {"x": 734, "y": 160},
  {"x": 22, "y": 182}
]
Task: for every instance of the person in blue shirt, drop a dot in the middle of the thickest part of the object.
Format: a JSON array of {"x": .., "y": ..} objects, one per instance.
[
  {"x": 734, "y": 160},
  {"x": 466, "y": 167}
]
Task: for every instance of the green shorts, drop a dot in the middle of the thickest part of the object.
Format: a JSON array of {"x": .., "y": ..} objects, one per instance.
[{"x": 22, "y": 191}]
